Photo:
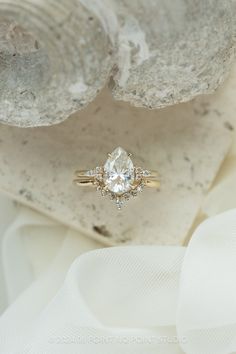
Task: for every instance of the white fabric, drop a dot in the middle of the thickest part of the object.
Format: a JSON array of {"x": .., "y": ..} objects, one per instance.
[{"x": 129, "y": 300}]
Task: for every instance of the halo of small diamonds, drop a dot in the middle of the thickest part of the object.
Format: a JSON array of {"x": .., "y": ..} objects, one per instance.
[{"x": 123, "y": 176}]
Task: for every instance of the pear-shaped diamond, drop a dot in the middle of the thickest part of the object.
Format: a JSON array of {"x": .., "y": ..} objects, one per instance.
[{"x": 119, "y": 172}]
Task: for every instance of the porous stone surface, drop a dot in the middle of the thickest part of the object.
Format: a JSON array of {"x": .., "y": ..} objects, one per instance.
[
  {"x": 171, "y": 51},
  {"x": 55, "y": 56},
  {"x": 186, "y": 143}
]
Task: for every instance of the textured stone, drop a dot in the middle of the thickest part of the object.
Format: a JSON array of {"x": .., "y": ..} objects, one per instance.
[
  {"x": 55, "y": 56},
  {"x": 171, "y": 51},
  {"x": 186, "y": 143}
]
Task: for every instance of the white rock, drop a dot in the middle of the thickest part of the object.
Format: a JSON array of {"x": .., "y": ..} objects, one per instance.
[
  {"x": 55, "y": 56},
  {"x": 172, "y": 51},
  {"x": 54, "y": 59}
]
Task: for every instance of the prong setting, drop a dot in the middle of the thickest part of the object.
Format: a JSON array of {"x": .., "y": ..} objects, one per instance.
[
  {"x": 118, "y": 179},
  {"x": 119, "y": 199}
]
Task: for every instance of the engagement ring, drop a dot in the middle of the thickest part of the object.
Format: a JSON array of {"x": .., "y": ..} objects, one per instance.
[{"x": 118, "y": 178}]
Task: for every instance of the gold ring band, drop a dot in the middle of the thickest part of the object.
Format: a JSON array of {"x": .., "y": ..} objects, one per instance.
[{"x": 82, "y": 179}]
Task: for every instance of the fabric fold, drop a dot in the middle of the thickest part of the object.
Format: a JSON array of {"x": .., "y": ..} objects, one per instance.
[
  {"x": 144, "y": 299},
  {"x": 207, "y": 298}
]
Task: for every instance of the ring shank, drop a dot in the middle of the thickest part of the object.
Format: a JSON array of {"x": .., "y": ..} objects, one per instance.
[
  {"x": 153, "y": 183},
  {"x": 83, "y": 179}
]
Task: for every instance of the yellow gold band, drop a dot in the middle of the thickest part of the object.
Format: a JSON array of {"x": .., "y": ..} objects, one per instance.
[{"x": 83, "y": 179}]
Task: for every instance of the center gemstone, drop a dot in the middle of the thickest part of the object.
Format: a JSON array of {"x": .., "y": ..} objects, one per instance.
[{"x": 119, "y": 172}]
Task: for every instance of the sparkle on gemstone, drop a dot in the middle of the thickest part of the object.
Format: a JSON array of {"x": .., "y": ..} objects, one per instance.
[{"x": 119, "y": 172}]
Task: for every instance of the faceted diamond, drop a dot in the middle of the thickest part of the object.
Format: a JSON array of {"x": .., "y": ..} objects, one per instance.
[{"x": 119, "y": 172}]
